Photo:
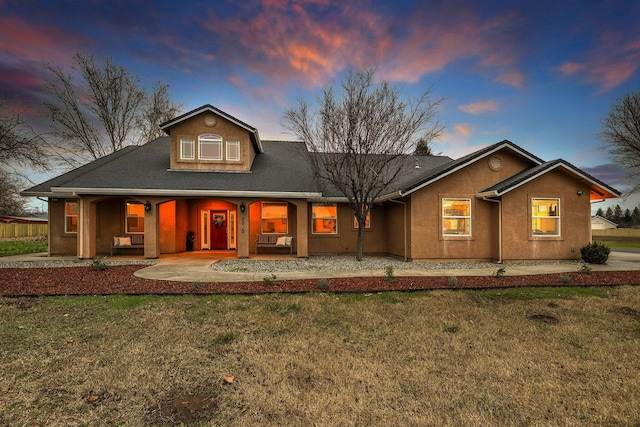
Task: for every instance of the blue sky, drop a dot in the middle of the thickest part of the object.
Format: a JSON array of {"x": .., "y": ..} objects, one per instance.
[{"x": 539, "y": 73}]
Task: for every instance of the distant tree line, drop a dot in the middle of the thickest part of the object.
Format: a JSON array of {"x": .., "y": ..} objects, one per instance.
[{"x": 624, "y": 219}]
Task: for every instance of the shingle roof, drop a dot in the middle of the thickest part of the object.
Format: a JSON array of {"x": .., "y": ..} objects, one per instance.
[{"x": 529, "y": 174}]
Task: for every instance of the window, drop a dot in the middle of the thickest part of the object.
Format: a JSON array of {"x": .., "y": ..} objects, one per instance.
[
  {"x": 274, "y": 218},
  {"x": 134, "y": 220},
  {"x": 545, "y": 217},
  {"x": 186, "y": 149},
  {"x": 209, "y": 147},
  {"x": 71, "y": 216},
  {"x": 233, "y": 150},
  {"x": 456, "y": 217},
  {"x": 324, "y": 218},
  {"x": 367, "y": 221}
]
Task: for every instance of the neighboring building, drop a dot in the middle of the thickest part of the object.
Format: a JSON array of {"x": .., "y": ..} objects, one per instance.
[
  {"x": 8, "y": 219},
  {"x": 601, "y": 223},
  {"x": 214, "y": 177}
]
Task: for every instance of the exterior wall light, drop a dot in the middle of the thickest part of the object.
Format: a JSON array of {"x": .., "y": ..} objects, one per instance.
[
  {"x": 579, "y": 192},
  {"x": 242, "y": 207},
  {"x": 147, "y": 206}
]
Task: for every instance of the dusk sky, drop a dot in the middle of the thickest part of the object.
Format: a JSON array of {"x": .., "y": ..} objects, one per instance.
[{"x": 539, "y": 73}]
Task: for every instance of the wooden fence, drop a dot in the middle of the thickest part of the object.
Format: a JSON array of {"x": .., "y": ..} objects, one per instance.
[
  {"x": 23, "y": 230},
  {"x": 617, "y": 232}
]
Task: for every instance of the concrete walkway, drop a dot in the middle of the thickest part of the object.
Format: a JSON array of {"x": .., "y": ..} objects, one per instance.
[{"x": 195, "y": 269}]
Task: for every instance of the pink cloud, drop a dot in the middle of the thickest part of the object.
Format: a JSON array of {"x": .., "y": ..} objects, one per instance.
[
  {"x": 464, "y": 129},
  {"x": 310, "y": 42},
  {"x": 479, "y": 107},
  {"x": 512, "y": 78},
  {"x": 613, "y": 61}
]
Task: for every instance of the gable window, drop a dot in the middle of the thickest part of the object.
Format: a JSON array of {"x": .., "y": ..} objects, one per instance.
[
  {"x": 71, "y": 216},
  {"x": 134, "y": 218},
  {"x": 324, "y": 218},
  {"x": 233, "y": 150},
  {"x": 186, "y": 149},
  {"x": 209, "y": 147},
  {"x": 456, "y": 217},
  {"x": 274, "y": 218},
  {"x": 545, "y": 217}
]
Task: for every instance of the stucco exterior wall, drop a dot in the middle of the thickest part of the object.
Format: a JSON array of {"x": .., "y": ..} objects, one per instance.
[
  {"x": 427, "y": 240},
  {"x": 60, "y": 243},
  {"x": 575, "y": 219},
  {"x": 227, "y": 130}
]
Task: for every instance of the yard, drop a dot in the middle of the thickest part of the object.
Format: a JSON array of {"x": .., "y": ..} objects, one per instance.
[{"x": 528, "y": 356}]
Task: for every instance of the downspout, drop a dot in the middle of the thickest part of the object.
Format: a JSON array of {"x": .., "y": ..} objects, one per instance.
[
  {"x": 499, "y": 202},
  {"x": 404, "y": 226}
]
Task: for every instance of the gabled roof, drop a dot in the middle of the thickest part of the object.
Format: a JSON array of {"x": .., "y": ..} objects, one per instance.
[
  {"x": 599, "y": 190},
  {"x": 210, "y": 108},
  {"x": 280, "y": 172},
  {"x": 453, "y": 166},
  {"x": 600, "y": 217}
]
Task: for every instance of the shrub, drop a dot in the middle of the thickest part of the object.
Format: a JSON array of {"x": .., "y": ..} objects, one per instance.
[
  {"x": 584, "y": 269},
  {"x": 98, "y": 265},
  {"x": 565, "y": 279},
  {"x": 452, "y": 281},
  {"x": 388, "y": 273},
  {"x": 595, "y": 253},
  {"x": 499, "y": 273},
  {"x": 323, "y": 284},
  {"x": 269, "y": 280}
]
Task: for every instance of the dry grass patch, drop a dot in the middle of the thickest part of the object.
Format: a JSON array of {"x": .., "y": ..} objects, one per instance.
[{"x": 441, "y": 357}]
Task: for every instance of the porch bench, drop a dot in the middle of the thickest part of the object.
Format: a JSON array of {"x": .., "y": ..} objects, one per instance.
[
  {"x": 133, "y": 241},
  {"x": 273, "y": 241}
]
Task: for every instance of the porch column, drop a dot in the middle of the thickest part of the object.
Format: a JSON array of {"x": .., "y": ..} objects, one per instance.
[
  {"x": 242, "y": 229},
  {"x": 302, "y": 232},
  {"x": 86, "y": 228},
  {"x": 151, "y": 225}
]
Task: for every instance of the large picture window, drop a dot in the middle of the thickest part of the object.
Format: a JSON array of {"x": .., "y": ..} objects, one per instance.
[
  {"x": 134, "y": 220},
  {"x": 186, "y": 149},
  {"x": 210, "y": 147},
  {"x": 456, "y": 217},
  {"x": 71, "y": 216},
  {"x": 274, "y": 218},
  {"x": 324, "y": 218},
  {"x": 545, "y": 217}
]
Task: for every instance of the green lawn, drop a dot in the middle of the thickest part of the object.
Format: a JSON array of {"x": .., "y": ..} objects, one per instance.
[
  {"x": 544, "y": 356},
  {"x": 23, "y": 246}
]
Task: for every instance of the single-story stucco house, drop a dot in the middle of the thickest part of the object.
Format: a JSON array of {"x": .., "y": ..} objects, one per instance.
[
  {"x": 213, "y": 184},
  {"x": 601, "y": 223}
]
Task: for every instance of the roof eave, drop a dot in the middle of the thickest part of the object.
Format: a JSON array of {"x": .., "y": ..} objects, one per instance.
[{"x": 59, "y": 191}]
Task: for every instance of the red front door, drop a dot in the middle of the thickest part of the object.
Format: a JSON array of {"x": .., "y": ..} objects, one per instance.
[{"x": 219, "y": 230}]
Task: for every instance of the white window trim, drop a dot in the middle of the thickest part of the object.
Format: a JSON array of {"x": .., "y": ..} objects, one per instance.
[
  {"x": 66, "y": 216},
  {"x": 445, "y": 217},
  {"x": 556, "y": 217},
  {"x": 184, "y": 141},
  {"x": 262, "y": 218},
  {"x": 329, "y": 218},
  {"x": 209, "y": 138},
  {"x": 228, "y": 156}
]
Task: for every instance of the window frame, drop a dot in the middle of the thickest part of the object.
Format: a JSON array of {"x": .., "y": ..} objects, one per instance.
[
  {"x": 229, "y": 144},
  {"x": 468, "y": 217},
  {"x": 69, "y": 217},
  {"x": 367, "y": 221},
  {"x": 263, "y": 218},
  {"x": 327, "y": 219},
  {"x": 209, "y": 139},
  {"x": 127, "y": 216},
  {"x": 187, "y": 141},
  {"x": 557, "y": 217}
]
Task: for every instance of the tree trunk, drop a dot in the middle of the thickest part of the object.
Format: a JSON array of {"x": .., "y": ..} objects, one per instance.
[{"x": 360, "y": 245}]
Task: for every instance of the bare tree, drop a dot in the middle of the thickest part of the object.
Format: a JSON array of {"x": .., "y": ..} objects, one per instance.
[
  {"x": 621, "y": 133},
  {"x": 99, "y": 109},
  {"x": 356, "y": 139},
  {"x": 157, "y": 109},
  {"x": 21, "y": 148}
]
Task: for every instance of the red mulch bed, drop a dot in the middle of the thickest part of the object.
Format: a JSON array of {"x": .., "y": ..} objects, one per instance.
[{"x": 120, "y": 280}]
